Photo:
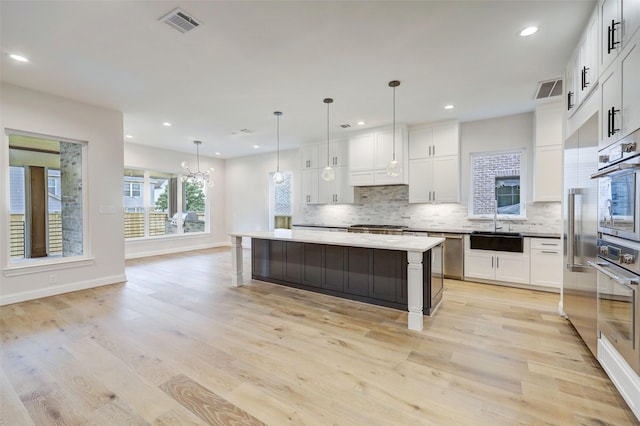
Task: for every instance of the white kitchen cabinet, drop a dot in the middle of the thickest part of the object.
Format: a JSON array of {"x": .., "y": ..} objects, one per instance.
[
  {"x": 582, "y": 72},
  {"x": 498, "y": 266},
  {"x": 337, "y": 191},
  {"x": 370, "y": 153},
  {"x": 434, "y": 141},
  {"x": 548, "y": 152},
  {"x": 310, "y": 186},
  {"x": 546, "y": 262},
  {"x": 434, "y": 180},
  {"x": 571, "y": 84},
  {"x": 620, "y": 95},
  {"x": 338, "y": 153},
  {"x": 620, "y": 20},
  {"x": 309, "y": 156}
]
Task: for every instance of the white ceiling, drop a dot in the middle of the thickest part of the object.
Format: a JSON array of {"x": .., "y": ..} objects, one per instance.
[{"x": 248, "y": 59}]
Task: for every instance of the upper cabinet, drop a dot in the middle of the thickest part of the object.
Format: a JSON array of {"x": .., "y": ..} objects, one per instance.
[
  {"x": 548, "y": 152},
  {"x": 337, "y": 155},
  {"x": 434, "y": 164},
  {"x": 371, "y": 151},
  {"x": 619, "y": 22},
  {"x": 309, "y": 158},
  {"x": 583, "y": 68},
  {"x": 313, "y": 159}
]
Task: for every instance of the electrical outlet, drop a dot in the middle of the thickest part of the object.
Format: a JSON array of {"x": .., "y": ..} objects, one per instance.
[{"x": 52, "y": 279}]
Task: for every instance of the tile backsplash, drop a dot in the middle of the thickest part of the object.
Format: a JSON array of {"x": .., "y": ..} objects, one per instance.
[{"x": 389, "y": 205}]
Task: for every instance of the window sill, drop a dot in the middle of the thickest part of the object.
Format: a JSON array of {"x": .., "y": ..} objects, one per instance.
[
  {"x": 37, "y": 266},
  {"x": 165, "y": 237}
]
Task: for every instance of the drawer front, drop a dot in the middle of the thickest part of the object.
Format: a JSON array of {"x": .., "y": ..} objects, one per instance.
[{"x": 551, "y": 244}]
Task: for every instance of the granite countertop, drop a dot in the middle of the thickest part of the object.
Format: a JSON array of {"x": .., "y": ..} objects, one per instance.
[
  {"x": 438, "y": 230},
  {"x": 378, "y": 241}
]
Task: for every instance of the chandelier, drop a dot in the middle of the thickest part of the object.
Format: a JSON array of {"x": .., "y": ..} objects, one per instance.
[{"x": 199, "y": 178}]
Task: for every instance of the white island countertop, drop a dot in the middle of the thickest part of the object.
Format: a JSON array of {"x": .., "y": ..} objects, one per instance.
[{"x": 351, "y": 239}]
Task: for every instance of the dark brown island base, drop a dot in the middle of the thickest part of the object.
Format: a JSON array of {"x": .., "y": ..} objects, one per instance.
[{"x": 352, "y": 266}]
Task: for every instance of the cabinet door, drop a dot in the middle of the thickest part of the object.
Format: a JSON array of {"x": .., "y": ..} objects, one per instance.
[
  {"x": 387, "y": 275},
  {"x": 343, "y": 191},
  {"x": 294, "y": 261},
  {"x": 610, "y": 108},
  {"x": 549, "y": 124},
  {"x": 334, "y": 274},
  {"x": 571, "y": 90},
  {"x": 630, "y": 87},
  {"x": 548, "y": 173},
  {"x": 362, "y": 152},
  {"x": 420, "y": 180},
  {"x": 309, "y": 157},
  {"x": 446, "y": 141},
  {"x": 358, "y": 264},
  {"x": 313, "y": 264},
  {"x": 384, "y": 148},
  {"x": 338, "y": 153},
  {"x": 310, "y": 189},
  {"x": 512, "y": 268},
  {"x": 420, "y": 143},
  {"x": 610, "y": 32},
  {"x": 362, "y": 178},
  {"x": 479, "y": 264},
  {"x": 446, "y": 179},
  {"x": 276, "y": 259},
  {"x": 546, "y": 268},
  {"x": 630, "y": 19}
]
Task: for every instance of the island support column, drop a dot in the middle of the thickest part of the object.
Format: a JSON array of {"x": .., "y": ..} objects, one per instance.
[
  {"x": 415, "y": 289},
  {"x": 236, "y": 261}
]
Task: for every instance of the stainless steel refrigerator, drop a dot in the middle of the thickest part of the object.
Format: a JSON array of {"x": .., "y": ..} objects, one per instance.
[{"x": 579, "y": 294}]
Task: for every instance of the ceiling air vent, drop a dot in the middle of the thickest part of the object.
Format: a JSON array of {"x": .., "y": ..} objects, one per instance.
[
  {"x": 180, "y": 21},
  {"x": 549, "y": 89},
  {"x": 345, "y": 126}
]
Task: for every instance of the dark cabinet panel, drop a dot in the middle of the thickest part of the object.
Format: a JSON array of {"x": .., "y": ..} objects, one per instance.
[
  {"x": 260, "y": 258},
  {"x": 386, "y": 278},
  {"x": 312, "y": 272},
  {"x": 294, "y": 262},
  {"x": 358, "y": 271},
  {"x": 276, "y": 259},
  {"x": 334, "y": 268}
]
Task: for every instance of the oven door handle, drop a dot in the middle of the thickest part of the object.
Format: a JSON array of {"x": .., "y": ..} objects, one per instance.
[
  {"x": 600, "y": 267},
  {"x": 615, "y": 168}
]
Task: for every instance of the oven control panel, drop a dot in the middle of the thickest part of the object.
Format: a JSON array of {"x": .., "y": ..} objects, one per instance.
[{"x": 626, "y": 257}]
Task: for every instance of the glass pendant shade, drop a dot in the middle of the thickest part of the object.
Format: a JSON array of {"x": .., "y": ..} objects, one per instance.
[
  {"x": 328, "y": 174},
  {"x": 394, "y": 169},
  {"x": 278, "y": 178},
  {"x": 197, "y": 177}
]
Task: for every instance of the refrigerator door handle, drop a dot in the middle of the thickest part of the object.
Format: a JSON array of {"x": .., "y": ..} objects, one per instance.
[{"x": 571, "y": 237}]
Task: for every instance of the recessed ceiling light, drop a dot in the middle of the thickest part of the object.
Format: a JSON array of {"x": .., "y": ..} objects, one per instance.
[
  {"x": 18, "y": 58},
  {"x": 256, "y": 146},
  {"x": 360, "y": 123},
  {"x": 448, "y": 106},
  {"x": 217, "y": 153},
  {"x": 166, "y": 124},
  {"x": 528, "y": 31},
  {"x": 128, "y": 136}
]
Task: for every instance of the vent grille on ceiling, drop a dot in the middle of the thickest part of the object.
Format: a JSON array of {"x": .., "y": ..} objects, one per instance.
[
  {"x": 180, "y": 21},
  {"x": 549, "y": 89},
  {"x": 344, "y": 126}
]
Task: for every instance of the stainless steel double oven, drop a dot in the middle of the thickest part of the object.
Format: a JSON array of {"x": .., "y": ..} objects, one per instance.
[{"x": 618, "y": 248}]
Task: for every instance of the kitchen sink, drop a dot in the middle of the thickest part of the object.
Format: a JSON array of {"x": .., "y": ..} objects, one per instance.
[{"x": 497, "y": 241}]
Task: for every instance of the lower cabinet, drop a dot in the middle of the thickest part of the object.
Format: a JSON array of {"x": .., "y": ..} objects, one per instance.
[
  {"x": 370, "y": 275},
  {"x": 497, "y": 265},
  {"x": 546, "y": 262}
]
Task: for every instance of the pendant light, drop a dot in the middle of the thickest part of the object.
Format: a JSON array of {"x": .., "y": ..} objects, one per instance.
[
  {"x": 199, "y": 178},
  {"x": 393, "y": 168},
  {"x": 278, "y": 178},
  {"x": 328, "y": 174}
]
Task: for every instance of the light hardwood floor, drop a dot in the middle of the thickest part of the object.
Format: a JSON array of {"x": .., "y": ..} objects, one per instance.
[{"x": 176, "y": 345}]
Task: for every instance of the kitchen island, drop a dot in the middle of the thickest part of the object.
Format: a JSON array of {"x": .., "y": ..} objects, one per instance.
[{"x": 402, "y": 272}]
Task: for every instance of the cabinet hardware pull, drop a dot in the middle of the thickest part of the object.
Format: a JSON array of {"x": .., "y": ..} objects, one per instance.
[
  {"x": 429, "y": 150},
  {"x": 569, "y": 104},
  {"x": 491, "y": 262},
  {"x": 549, "y": 252},
  {"x": 497, "y": 262},
  {"x": 434, "y": 195},
  {"x": 612, "y": 121},
  {"x": 583, "y": 77},
  {"x": 611, "y": 43}
]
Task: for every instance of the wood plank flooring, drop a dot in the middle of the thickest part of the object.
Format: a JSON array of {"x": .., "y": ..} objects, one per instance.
[{"x": 176, "y": 345}]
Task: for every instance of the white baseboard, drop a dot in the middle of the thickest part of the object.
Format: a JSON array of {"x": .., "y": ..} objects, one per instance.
[
  {"x": 172, "y": 250},
  {"x": 623, "y": 377},
  {"x": 60, "y": 289}
]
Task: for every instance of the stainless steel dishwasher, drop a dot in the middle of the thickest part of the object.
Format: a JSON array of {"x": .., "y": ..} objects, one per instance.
[{"x": 453, "y": 254}]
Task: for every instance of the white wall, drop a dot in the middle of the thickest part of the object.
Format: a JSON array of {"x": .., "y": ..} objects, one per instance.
[
  {"x": 102, "y": 129},
  {"x": 161, "y": 160},
  {"x": 247, "y": 189},
  {"x": 495, "y": 134}
]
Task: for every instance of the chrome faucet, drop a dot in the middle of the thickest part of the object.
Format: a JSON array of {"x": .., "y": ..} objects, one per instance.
[{"x": 495, "y": 218}]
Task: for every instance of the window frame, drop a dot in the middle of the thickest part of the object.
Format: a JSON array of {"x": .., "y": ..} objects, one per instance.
[{"x": 522, "y": 151}]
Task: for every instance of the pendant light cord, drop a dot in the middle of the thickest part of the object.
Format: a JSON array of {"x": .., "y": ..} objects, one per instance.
[
  {"x": 277, "y": 114},
  {"x": 327, "y": 134},
  {"x": 394, "y": 123}
]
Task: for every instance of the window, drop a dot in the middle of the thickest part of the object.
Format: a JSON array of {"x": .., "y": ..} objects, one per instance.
[
  {"x": 497, "y": 182},
  {"x": 153, "y": 199},
  {"x": 46, "y": 192},
  {"x": 280, "y": 202}
]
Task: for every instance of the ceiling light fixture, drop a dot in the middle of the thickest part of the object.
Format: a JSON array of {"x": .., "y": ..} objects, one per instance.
[
  {"x": 360, "y": 123},
  {"x": 393, "y": 168},
  {"x": 18, "y": 58},
  {"x": 528, "y": 31},
  {"x": 128, "y": 136},
  {"x": 328, "y": 174},
  {"x": 278, "y": 178},
  {"x": 448, "y": 107},
  {"x": 166, "y": 124},
  {"x": 198, "y": 177}
]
